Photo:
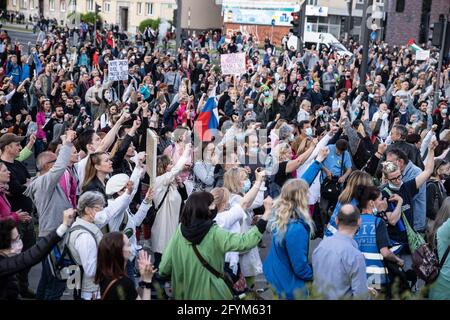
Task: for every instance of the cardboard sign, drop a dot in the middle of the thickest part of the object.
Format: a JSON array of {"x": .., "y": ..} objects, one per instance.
[
  {"x": 152, "y": 143},
  {"x": 117, "y": 70},
  {"x": 233, "y": 63},
  {"x": 422, "y": 55}
]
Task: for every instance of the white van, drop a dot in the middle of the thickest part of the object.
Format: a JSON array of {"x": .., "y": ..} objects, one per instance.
[{"x": 320, "y": 39}]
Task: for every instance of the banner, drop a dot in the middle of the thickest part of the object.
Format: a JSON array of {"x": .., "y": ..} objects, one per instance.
[
  {"x": 117, "y": 70},
  {"x": 233, "y": 63},
  {"x": 422, "y": 55}
]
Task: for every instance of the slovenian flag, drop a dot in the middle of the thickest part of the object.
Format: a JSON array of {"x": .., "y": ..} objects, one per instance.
[{"x": 208, "y": 120}]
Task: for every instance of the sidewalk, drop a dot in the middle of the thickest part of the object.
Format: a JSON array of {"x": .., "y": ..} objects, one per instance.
[{"x": 16, "y": 26}]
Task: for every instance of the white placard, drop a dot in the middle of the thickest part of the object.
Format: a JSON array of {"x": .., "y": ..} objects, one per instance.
[
  {"x": 422, "y": 55},
  {"x": 117, "y": 70},
  {"x": 152, "y": 143},
  {"x": 233, "y": 63}
]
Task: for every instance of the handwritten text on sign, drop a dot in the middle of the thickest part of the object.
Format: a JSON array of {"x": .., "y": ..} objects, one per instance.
[
  {"x": 118, "y": 70},
  {"x": 232, "y": 63}
]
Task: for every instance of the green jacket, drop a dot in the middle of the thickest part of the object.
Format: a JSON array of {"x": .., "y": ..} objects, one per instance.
[{"x": 190, "y": 280}]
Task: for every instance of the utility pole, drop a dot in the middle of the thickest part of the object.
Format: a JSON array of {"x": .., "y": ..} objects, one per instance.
[
  {"x": 441, "y": 58},
  {"x": 365, "y": 43},
  {"x": 301, "y": 26},
  {"x": 349, "y": 21},
  {"x": 178, "y": 26}
]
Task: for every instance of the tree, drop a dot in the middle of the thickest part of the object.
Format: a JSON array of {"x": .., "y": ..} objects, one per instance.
[{"x": 152, "y": 23}]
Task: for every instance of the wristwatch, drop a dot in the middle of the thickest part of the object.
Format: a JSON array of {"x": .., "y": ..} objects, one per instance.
[{"x": 145, "y": 285}]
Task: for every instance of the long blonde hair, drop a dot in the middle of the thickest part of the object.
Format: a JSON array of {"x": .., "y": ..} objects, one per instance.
[
  {"x": 232, "y": 180},
  {"x": 292, "y": 204},
  {"x": 355, "y": 179}
]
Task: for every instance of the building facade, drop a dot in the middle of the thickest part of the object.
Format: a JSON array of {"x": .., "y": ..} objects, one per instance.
[
  {"x": 127, "y": 14},
  {"x": 328, "y": 16},
  {"x": 413, "y": 19}
]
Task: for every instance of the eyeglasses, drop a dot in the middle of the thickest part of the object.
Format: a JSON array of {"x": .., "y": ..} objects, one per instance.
[{"x": 398, "y": 178}]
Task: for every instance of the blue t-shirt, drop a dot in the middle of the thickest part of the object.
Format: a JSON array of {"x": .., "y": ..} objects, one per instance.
[{"x": 333, "y": 162}]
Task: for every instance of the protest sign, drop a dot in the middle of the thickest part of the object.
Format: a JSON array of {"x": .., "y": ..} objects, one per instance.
[
  {"x": 232, "y": 63},
  {"x": 117, "y": 70},
  {"x": 152, "y": 142},
  {"x": 422, "y": 55}
]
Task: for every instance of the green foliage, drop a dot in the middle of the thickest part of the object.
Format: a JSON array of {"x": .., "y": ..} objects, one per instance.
[
  {"x": 90, "y": 17},
  {"x": 152, "y": 23}
]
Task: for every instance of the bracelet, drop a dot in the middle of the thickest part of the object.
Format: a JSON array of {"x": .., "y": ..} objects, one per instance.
[{"x": 145, "y": 285}]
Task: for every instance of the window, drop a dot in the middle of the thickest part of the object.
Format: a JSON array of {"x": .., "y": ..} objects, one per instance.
[
  {"x": 52, "y": 5},
  {"x": 149, "y": 8},
  {"x": 139, "y": 8},
  {"x": 31, "y": 4},
  {"x": 107, "y": 7},
  {"x": 400, "y": 6},
  {"x": 23, "y": 4},
  {"x": 14, "y": 3},
  {"x": 90, "y": 5},
  {"x": 63, "y": 6},
  {"x": 311, "y": 2}
]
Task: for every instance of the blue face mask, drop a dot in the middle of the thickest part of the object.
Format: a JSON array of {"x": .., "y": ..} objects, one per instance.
[
  {"x": 266, "y": 93},
  {"x": 309, "y": 132},
  {"x": 247, "y": 186},
  {"x": 320, "y": 113},
  {"x": 253, "y": 150}
]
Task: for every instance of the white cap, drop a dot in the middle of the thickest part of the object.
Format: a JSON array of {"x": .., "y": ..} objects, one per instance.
[{"x": 116, "y": 183}]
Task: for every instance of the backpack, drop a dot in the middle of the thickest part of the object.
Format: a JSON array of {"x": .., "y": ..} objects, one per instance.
[
  {"x": 426, "y": 264},
  {"x": 63, "y": 265}
]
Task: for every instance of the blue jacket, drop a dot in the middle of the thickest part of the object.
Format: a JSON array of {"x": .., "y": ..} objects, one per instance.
[
  {"x": 286, "y": 267},
  {"x": 15, "y": 72},
  {"x": 25, "y": 72}
]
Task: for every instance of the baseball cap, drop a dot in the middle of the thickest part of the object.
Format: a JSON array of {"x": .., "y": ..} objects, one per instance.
[
  {"x": 8, "y": 138},
  {"x": 116, "y": 183}
]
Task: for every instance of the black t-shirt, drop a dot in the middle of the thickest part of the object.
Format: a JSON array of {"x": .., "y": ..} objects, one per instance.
[
  {"x": 122, "y": 289},
  {"x": 19, "y": 176},
  {"x": 382, "y": 235},
  {"x": 407, "y": 191},
  {"x": 282, "y": 176}
]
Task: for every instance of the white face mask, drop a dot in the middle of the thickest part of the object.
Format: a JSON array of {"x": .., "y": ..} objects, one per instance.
[
  {"x": 98, "y": 83},
  {"x": 16, "y": 247},
  {"x": 100, "y": 218}
]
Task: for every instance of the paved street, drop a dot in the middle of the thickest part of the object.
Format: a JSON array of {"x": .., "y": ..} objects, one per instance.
[{"x": 19, "y": 33}]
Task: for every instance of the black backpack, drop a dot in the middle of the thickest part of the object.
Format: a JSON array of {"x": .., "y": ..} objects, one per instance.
[{"x": 63, "y": 265}]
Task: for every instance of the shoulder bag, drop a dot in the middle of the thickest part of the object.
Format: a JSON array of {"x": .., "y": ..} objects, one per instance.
[
  {"x": 224, "y": 276},
  {"x": 153, "y": 211}
]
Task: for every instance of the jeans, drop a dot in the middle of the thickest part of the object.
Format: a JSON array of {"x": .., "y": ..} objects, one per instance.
[
  {"x": 39, "y": 147},
  {"x": 131, "y": 270},
  {"x": 49, "y": 287}
]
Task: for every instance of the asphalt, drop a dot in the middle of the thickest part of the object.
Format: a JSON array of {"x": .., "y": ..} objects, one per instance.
[{"x": 23, "y": 36}]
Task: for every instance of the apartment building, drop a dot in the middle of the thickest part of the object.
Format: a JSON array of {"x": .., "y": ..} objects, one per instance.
[{"x": 127, "y": 14}]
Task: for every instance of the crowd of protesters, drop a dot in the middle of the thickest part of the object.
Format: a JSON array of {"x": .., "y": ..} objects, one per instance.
[{"x": 303, "y": 149}]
